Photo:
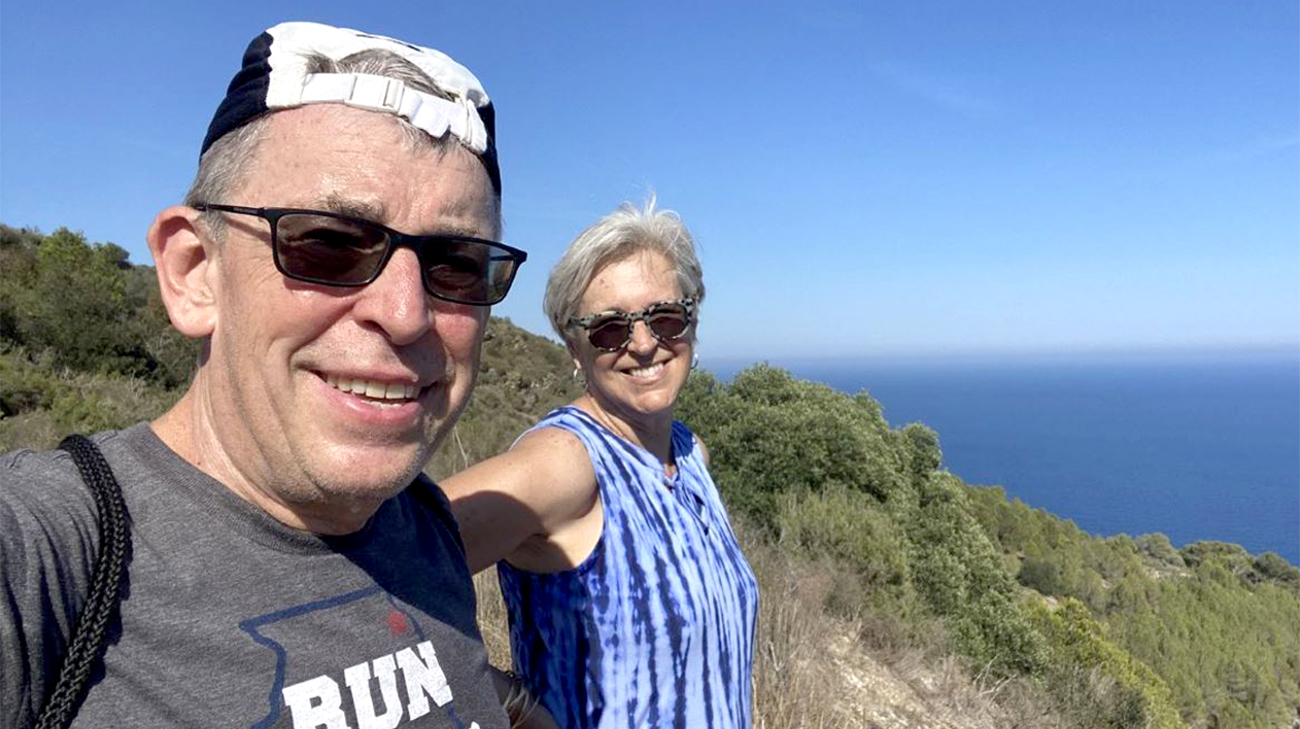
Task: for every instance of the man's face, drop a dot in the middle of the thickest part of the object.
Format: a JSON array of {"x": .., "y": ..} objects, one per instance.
[{"x": 296, "y": 370}]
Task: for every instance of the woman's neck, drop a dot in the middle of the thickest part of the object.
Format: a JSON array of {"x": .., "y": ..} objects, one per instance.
[{"x": 654, "y": 434}]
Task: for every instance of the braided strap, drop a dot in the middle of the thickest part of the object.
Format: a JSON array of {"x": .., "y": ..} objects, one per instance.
[{"x": 88, "y": 640}]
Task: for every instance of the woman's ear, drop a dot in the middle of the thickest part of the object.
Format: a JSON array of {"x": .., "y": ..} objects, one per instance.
[
  {"x": 185, "y": 261},
  {"x": 573, "y": 355}
]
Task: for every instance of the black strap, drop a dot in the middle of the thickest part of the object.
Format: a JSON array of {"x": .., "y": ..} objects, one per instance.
[{"x": 87, "y": 645}]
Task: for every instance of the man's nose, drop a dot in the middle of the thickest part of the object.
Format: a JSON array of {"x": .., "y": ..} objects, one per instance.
[{"x": 396, "y": 301}]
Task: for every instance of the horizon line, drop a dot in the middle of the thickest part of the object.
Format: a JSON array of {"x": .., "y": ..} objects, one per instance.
[{"x": 1279, "y": 350}]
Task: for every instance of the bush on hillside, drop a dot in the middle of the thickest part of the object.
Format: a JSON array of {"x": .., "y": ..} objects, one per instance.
[
  {"x": 848, "y": 527},
  {"x": 775, "y": 440},
  {"x": 1160, "y": 551},
  {"x": 1094, "y": 682},
  {"x": 40, "y": 404},
  {"x": 1204, "y": 618},
  {"x": 961, "y": 575},
  {"x": 769, "y": 433},
  {"x": 1271, "y": 567},
  {"x": 86, "y": 308}
]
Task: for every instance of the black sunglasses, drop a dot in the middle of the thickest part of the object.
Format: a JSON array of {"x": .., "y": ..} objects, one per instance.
[
  {"x": 339, "y": 250},
  {"x": 612, "y": 330}
]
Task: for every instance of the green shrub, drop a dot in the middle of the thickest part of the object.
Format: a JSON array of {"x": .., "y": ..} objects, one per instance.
[
  {"x": 88, "y": 308},
  {"x": 58, "y": 402},
  {"x": 849, "y": 527},
  {"x": 960, "y": 574},
  {"x": 1041, "y": 575},
  {"x": 769, "y": 433},
  {"x": 824, "y": 471},
  {"x": 1272, "y": 567},
  {"x": 1158, "y": 549},
  {"x": 1096, "y": 683}
]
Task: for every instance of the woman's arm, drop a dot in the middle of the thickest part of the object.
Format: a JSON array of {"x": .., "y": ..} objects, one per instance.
[{"x": 528, "y": 494}]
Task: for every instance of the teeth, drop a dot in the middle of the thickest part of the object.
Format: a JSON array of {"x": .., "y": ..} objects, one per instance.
[
  {"x": 646, "y": 371},
  {"x": 373, "y": 388}
]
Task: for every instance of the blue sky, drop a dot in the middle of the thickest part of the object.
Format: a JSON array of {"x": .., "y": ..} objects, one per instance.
[{"x": 864, "y": 179}]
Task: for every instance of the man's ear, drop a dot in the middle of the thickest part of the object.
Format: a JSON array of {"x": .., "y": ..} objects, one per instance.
[{"x": 185, "y": 261}]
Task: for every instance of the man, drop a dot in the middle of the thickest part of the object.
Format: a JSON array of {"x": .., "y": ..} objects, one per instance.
[{"x": 289, "y": 564}]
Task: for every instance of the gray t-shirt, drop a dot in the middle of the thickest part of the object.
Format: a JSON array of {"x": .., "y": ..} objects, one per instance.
[{"x": 229, "y": 618}]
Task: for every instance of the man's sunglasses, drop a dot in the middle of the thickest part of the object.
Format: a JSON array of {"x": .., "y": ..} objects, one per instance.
[
  {"x": 339, "y": 250},
  {"x": 612, "y": 330}
]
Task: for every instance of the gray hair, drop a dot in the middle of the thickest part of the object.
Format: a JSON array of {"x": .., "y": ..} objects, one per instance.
[
  {"x": 616, "y": 236},
  {"x": 229, "y": 158}
]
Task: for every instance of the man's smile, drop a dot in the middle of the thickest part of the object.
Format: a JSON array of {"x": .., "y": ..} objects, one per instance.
[{"x": 374, "y": 389}]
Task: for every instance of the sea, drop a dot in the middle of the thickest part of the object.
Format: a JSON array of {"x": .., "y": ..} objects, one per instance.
[{"x": 1201, "y": 446}]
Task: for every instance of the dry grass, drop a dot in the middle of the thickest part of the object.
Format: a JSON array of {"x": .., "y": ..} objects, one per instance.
[
  {"x": 795, "y": 683},
  {"x": 492, "y": 617}
]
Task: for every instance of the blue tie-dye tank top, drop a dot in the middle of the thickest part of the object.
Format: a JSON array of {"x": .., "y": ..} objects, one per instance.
[{"x": 656, "y": 627}]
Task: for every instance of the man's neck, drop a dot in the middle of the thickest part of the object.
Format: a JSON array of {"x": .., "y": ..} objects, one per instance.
[{"x": 188, "y": 429}]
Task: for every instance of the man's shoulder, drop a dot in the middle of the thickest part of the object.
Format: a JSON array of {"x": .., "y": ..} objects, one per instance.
[
  {"x": 28, "y": 472},
  {"x": 429, "y": 498},
  {"x": 42, "y": 492},
  {"x": 39, "y": 485}
]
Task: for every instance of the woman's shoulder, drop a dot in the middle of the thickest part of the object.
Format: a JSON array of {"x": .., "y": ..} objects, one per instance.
[
  {"x": 686, "y": 441},
  {"x": 569, "y": 418},
  {"x": 553, "y": 463},
  {"x": 550, "y": 444},
  {"x": 682, "y": 430}
]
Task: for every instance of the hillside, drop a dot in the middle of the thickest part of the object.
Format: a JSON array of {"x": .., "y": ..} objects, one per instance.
[{"x": 894, "y": 594}]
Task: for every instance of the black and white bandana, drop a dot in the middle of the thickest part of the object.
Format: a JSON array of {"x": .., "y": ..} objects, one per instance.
[{"x": 274, "y": 76}]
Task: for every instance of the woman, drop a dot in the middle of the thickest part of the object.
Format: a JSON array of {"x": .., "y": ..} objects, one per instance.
[{"x": 630, "y": 602}]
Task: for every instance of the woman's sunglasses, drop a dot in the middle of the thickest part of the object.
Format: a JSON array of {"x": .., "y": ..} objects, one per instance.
[
  {"x": 339, "y": 250},
  {"x": 612, "y": 330}
]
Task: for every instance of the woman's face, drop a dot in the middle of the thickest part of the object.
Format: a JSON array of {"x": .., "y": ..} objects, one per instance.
[{"x": 638, "y": 383}]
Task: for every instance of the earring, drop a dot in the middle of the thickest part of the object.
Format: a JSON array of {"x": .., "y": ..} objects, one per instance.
[
  {"x": 577, "y": 374},
  {"x": 695, "y": 361}
]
